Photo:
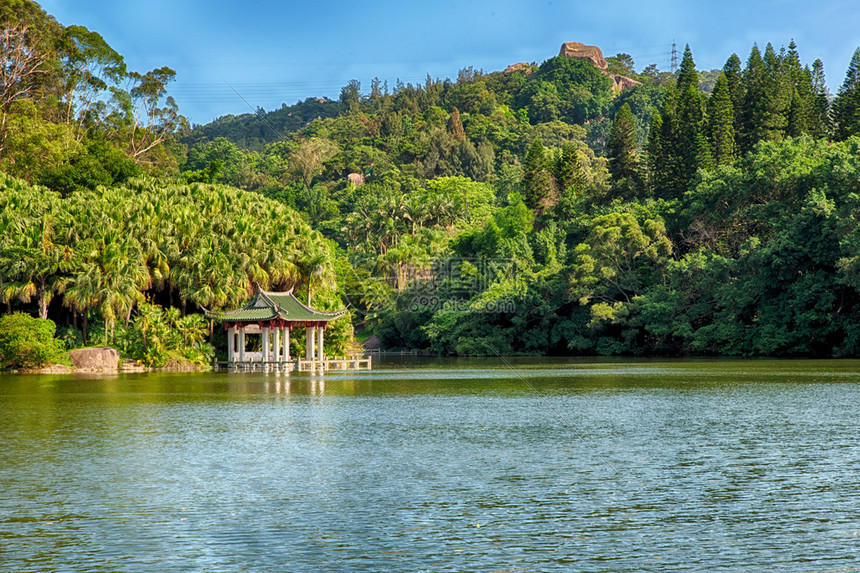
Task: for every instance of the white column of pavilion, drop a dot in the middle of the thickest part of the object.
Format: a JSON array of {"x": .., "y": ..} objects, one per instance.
[
  {"x": 231, "y": 344},
  {"x": 280, "y": 344},
  {"x": 235, "y": 344},
  {"x": 310, "y": 346},
  {"x": 276, "y": 344},
  {"x": 320, "y": 353}
]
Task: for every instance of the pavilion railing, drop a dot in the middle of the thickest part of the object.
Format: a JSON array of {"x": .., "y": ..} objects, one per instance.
[{"x": 298, "y": 364}]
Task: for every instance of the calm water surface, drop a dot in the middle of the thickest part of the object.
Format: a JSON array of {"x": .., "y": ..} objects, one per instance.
[{"x": 473, "y": 465}]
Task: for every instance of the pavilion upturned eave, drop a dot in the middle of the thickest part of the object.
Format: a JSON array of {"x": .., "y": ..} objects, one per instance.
[{"x": 267, "y": 307}]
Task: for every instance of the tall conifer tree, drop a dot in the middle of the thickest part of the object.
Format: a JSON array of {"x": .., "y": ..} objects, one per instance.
[
  {"x": 687, "y": 76},
  {"x": 569, "y": 176},
  {"x": 667, "y": 172},
  {"x": 735, "y": 83},
  {"x": 657, "y": 156},
  {"x": 692, "y": 143},
  {"x": 791, "y": 63},
  {"x": 846, "y": 106},
  {"x": 778, "y": 94},
  {"x": 797, "y": 116},
  {"x": 800, "y": 87},
  {"x": 721, "y": 117},
  {"x": 623, "y": 154},
  {"x": 754, "y": 107},
  {"x": 820, "y": 125},
  {"x": 538, "y": 181}
]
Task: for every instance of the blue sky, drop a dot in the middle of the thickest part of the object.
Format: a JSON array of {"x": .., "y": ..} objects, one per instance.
[{"x": 273, "y": 52}]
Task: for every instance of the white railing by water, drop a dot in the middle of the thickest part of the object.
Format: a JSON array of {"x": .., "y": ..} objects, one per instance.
[{"x": 256, "y": 364}]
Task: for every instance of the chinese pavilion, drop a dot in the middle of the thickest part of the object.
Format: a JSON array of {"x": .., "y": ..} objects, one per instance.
[{"x": 272, "y": 315}]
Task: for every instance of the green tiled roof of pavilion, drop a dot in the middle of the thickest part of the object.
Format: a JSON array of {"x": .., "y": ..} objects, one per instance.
[{"x": 277, "y": 306}]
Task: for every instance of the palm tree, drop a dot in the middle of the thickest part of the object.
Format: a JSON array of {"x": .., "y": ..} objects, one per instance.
[
  {"x": 404, "y": 260},
  {"x": 82, "y": 292},
  {"x": 120, "y": 277},
  {"x": 314, "y": 263},
  {"x": 35, "y": 266},
  {"x": 210, "y": 276}
]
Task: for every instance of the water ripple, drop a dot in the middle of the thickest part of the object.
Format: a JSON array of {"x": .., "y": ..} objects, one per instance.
[{"x": 597, "y": 467}]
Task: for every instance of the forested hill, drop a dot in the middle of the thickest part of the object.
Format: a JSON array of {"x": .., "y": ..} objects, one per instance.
[
  {"x": 693, "y": 213},
  {"x": 253, "y": 131},
  {"x": 576, "y": 206}
]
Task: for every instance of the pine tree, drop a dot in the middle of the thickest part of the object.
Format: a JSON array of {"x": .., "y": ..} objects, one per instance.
[
  {"x": 687, "y": 75},
  {"x": 534, "y": 160},
  {"x": 569, "y": 181},
  {"x": 543, "y": 192},
  {"x": 721, "y": 116},
  {"x": 538, "y": 182},
  {"x": 676, "y": 144},
  {"x": 621, "y": 150},
  {"x": 691, "y": 143},
  {"x": 846, "y": 106},
  {"x": 820, "y": 125},
  {"x": 704, "y": 158},
  {"x": 800, "y": 86},
  {"x": 754, "y": 107},
  {"x": 791, "y": 63},
  {"x": 797, "y": 123},
  {"x": 735, "y": 82},
  {"x": 568, "y": 173},
  {"x": 734, "y": 79},
  {"x": 778, "y": 94},
  {"x": 663, "y": 155}
]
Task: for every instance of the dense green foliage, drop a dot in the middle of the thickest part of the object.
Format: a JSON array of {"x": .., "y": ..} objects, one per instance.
[
  {"x": 158, "y": 337},
  {"x": 105, "y": 252},
  {"x": 71, "y": 114},
  {"x": 535, "y": 211},
  {"x": 27, "y": 342}
]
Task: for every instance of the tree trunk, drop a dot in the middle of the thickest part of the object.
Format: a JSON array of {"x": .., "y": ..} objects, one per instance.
[
  {"x": 85, "y": 313},
  {"x": 128, "y": 316},
  {"x": 43, "y": 302}
]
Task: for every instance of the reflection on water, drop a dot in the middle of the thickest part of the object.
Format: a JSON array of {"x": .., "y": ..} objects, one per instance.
[{"x": 519, "y": 465}]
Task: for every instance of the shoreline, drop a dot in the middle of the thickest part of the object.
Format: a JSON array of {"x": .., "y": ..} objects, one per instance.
[{"x": 121, "y": 369}]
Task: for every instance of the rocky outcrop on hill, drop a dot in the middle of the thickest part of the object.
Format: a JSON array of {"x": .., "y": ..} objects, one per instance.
[
  {"x": 522, "y": 66},
  {"x": 583, "y": 52},
  {"x": 99, "y": 358},
  {"x": 594, "y": 55},
  {"x": 621, "y": 83}
]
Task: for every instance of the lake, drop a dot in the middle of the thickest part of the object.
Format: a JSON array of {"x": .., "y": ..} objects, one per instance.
[{"x": 436, "y": 465}]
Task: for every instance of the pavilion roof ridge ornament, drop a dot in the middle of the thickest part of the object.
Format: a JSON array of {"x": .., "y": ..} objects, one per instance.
[{"x": 279, "y": 310}]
